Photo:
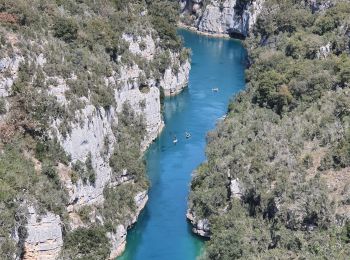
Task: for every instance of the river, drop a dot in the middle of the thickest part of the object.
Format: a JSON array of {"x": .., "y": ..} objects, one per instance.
[{"x": 162, "y": 232}]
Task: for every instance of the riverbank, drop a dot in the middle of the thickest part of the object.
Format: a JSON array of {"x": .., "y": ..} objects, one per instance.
[
  {"x": 276, "y": 180},
  {"x": 195, "y": 30},
  {"x": 162, "y": 230}
]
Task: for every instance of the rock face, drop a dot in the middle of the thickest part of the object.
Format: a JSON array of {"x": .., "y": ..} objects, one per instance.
[
  {"x": 88, "y": 138},
  {"x": 324, "y": 51},
  {"x": 200, "y": 227},
  {"x": 147, "y": 104},
  {"x": 228, "y": 17},
  {"x": 118, "y": 239},
  {"x": 91, "y": 135},
  {"x": 235, "y": 189},
  {"x": 8, "y": 66},
  {"x": 44, "y": 239},
  {"x": 221, "y": 17},
  {"x": 8, "y": 74},
  {"x": 320, "y": 5},
  {"x": 173, "y": 80},
  {"x": 173, "y": 83}
]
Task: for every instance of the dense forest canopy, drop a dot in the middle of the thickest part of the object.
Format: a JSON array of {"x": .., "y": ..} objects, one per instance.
[{"x": 286, "y": 142}]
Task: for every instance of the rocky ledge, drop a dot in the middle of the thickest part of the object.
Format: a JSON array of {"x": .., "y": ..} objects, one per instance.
[
  {"x": 91, "y": 136},
  {"x": 200, "y": 227},
  {"x": 221, "y": 18},
  {"x": 45, "y": 238},
  {"x": 118, "y": 239}
]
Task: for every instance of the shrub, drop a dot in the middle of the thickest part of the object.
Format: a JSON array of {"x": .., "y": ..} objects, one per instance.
[
  {"x": 65, "y": 29},
  {"x": 119, "y": 205},
  {"x": 2, "y": 106},
  {"x": 293, "y": 100},
  {"x": 85, "y": 171},
  {"x": 127, "y": 156},
  {"x": 86, "y": 243}
]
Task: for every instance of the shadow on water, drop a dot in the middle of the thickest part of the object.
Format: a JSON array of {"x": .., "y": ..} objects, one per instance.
[{"x": 162, "y": 231}]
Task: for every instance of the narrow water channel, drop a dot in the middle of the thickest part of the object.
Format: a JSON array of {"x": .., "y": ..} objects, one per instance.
[{"x": 162, "y": 231}]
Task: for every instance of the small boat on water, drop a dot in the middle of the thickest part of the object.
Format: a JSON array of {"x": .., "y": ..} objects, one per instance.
[
  {"x": 175, "y": 140},
  {"x": 215, "y": 89},
  {"x": 187, "y": 135}
]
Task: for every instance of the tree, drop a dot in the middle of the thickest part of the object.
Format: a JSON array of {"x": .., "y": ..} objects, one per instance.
[{"x": 65, "y": 29}]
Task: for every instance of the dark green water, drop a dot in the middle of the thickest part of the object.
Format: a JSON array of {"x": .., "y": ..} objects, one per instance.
[{"x": 162, "y": 232}]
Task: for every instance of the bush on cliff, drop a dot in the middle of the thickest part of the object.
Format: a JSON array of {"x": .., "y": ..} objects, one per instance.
[
  {"x": 286, "y": 141},
  {"x": 73, "y": 46},
  {"x": 87, "y": 243}
]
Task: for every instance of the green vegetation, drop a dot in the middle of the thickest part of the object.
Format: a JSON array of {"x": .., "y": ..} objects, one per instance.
[
  {"x": 20, "y": 182},
  {"x": 87, "y": 243},
  {"x": 66, "y": 29},
  {"x": 164, "y": 16},
  {"x": 82, "y": 43},
  {"x": 286, "y": 141},
  {"x": 85, "y": 171},
  {"x": 2, "y": 106},
  {"x": 119, "y": 206},
  {"x": 127, "y": 154},
  {"x": 72, "y": 47}
]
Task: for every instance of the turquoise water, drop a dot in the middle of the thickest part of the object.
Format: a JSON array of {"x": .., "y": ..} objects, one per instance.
[{"x": 162, "y": 231}]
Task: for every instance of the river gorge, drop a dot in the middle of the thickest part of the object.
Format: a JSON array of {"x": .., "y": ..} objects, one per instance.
[
  {"x": 120, "y": 137},
  {"x": 162, "y": 231}
]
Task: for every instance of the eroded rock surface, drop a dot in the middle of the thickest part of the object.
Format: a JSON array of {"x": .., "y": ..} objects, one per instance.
[
  {"x": 200, "y": 227},
  {"x": 44, "y": 239},
  {"x": 228, "y": 17},
  {"x": 118, "y": 239},
  {"x": 91, "y": 136}
]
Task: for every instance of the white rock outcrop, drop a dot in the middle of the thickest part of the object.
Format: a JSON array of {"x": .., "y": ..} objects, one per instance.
[
  {"x": 88, "y": 136},
  {"x": 118, "y": 239},
  {"x": 320, "y": 5},
  {"x": 8, "y": 73},
  {"x": 254, "y": 10},
  {"x": 223, "y": 17},
  {"x": 200, "y": 227},
  {"x": 91, "y": 134},
  {"x": 148, "y": 105},
  {"x": 173, "y": 83},
  {"x": 143, "y": 46},
  {"x": 235, "y": 189},
  {"x": 44, "y": 239},
  {"x": 173, "y": 80},
  {"x": 324, "y": 51}
]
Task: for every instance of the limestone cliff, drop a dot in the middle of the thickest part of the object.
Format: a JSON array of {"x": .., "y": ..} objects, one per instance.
[
  {"x": 228, "y": 17},
  {"x": 88, "y": 133},
  {"x": 93, "y": 133},
  {"x": 88, "y": 137},
  {"x": 45, "y": 237}
]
